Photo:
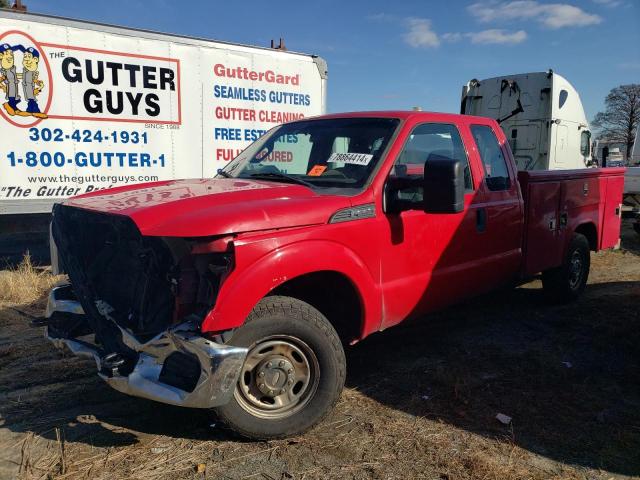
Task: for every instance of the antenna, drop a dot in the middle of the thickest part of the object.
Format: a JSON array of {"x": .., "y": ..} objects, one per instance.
[{"x": 280, "y": 46}]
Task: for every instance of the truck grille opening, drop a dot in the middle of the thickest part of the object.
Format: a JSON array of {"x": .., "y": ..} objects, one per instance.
[
  {"x": 108, "y": 260},
  {"x": 144, "y": 284}
]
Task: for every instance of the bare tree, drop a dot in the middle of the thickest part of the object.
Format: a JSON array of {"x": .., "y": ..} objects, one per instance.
[{"x": 619, "y": 121}]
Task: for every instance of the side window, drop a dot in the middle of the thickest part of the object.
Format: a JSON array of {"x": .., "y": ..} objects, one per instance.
[
  {"x": 562, "y": 98},
  {"x": 585, "y": 143},
  {"x": 430, "y": 141},
  {"x": 495, "y": 165}
]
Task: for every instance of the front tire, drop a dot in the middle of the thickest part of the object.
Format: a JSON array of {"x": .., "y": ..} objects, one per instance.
[
  {"x": 293, "y": 374},
  {"x": 567, "y": 282}
]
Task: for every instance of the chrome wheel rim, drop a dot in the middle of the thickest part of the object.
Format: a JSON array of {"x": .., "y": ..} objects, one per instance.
[
  {"x": 279, "y": 377},
  {"x": 575, "y": 270}
]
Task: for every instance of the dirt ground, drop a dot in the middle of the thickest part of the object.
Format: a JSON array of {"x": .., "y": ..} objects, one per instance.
[{"x": 421, "y": 400}]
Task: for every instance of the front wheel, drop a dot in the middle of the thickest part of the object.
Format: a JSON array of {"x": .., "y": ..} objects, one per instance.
[
  {"x": 566, "y": 282},
  {"x": 293, "y": 374}
]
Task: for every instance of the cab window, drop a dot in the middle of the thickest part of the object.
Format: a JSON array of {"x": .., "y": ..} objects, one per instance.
[
  {"x": 585, "y": 143},
  {"x": 495, "y": 165},
  {"x": 429, "y": 141}
]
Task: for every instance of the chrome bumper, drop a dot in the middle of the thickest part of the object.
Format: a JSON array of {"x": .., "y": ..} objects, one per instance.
[{"x": 220, "y": 365}]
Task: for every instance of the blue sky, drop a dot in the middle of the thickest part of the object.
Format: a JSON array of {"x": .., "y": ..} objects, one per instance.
[{"x": 395, "y": 55}]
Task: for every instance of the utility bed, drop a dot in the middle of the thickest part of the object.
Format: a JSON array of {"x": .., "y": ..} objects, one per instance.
[{"x": 557, "y": 203}]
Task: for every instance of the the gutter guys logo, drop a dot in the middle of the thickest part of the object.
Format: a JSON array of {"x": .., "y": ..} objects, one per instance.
[
  {"x": 25, "y": 80},
  {"x": 80, "y": 83},
  {"x": 10, "y": 79}
]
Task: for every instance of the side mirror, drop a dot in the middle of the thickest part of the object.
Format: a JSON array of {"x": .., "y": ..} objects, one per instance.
[
  {"x": 393, "y": 202},
  {"x": 443, "y": 186}
]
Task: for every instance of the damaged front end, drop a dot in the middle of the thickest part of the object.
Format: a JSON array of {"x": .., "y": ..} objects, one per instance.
[{"x": 135, "y": 305}]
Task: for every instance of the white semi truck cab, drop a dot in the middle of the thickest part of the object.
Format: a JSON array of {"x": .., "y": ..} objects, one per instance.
[{"x": 541, "y": 115}]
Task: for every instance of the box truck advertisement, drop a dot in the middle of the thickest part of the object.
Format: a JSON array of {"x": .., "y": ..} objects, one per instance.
[{"x": 87, "y": 106}]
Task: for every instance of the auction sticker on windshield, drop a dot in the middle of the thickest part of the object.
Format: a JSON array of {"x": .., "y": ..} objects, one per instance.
[
  {"x": 353, "y": 158},
  {"x": 317, "y": 170}
]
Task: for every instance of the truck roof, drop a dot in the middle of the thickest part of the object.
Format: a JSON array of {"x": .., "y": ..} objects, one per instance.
[
  {"x": 548, "y": 74},
  {"x": 406, "y": 114},
  {"x": 137, "y": 32}
]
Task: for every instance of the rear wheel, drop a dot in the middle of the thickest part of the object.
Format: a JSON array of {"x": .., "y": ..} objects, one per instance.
[
  {"x": 566, "y": 282},
  {"x": 293, "y": 373}
]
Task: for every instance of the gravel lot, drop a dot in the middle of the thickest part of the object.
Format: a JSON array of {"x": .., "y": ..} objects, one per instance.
[{"x": 421, "y": 400}]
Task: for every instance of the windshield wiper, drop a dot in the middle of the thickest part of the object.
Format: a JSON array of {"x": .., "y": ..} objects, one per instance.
[
  {"x": 224, "y": 174},
  {"x": 281, "y": 176}
]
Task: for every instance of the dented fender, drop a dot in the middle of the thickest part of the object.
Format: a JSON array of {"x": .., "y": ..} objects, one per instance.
[{"x": 247, "y": 285}]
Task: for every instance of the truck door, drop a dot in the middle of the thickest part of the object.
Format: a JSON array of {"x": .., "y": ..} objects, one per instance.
[
  {"x": 429, "y": 260},
  {"x": 561, "y": 150},
  {"x": 500, "y": 207}
]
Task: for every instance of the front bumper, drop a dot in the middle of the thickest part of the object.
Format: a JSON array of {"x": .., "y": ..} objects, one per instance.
[{"x": 220, "y": 365}]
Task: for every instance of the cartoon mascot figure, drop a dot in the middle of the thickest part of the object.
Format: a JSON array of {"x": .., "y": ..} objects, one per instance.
[
  {"x": 31, "y": 84},
  {"x": 9, "y": 80}
]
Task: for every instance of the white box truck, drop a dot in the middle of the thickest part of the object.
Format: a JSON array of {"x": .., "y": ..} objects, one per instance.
[
  {"x": 541, "y": 114},
  {"x": 86, "y": 106}
]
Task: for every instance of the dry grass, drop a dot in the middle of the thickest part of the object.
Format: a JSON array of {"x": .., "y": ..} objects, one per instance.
[{"x": 25, "y": 283}]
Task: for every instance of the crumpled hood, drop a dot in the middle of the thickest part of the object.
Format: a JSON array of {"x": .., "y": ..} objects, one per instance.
[{"x": 196, "y": 208}]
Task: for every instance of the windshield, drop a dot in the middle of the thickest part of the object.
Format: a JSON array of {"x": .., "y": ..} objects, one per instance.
[{"x": 339, "y": 152}]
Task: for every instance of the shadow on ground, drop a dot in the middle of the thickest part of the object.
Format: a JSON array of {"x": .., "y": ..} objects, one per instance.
[
  {"x": 569, "y": 376},
  {"x": 630, "y": 236},
  {"x": 42, "y": 388}
]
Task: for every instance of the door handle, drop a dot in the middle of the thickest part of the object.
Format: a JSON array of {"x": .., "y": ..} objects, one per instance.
[
  {"x": 481, "y": 219},
  {"x": 564, "y": 219}
]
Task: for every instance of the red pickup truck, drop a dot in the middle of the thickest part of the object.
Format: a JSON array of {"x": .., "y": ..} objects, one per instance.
[{"x": 238, "y": 292}]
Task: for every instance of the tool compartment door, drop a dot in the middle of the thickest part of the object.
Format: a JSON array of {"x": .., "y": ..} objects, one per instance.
[
  {"x": 543, "y": 237},
  {"x": 612, "y": 212}
]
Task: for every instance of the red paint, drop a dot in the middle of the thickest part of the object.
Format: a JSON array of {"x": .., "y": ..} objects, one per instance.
[
  {"x": 109, "y": 52},
  {"x": 118, "y": 120},
  {"x": 401, "y": 265},
  {"x": 589, "y": 198},
  {"x": 122, "y": 54},
  {"x": 200, "y": 208}
]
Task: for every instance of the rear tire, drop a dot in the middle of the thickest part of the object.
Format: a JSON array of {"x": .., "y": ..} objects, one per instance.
[
  {"x": 293, "y": 374},
  {"x": 566, "y": 282}
]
